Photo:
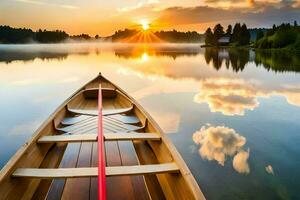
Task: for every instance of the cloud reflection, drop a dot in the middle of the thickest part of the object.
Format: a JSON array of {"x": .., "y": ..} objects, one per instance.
[
  {"x": 269, "y": 169},
  {"x": 240, "y": 162},
  {"x": 235, "y": 96},
  {"x": 216, "y": 143},
  {"x": 230, "y": 97}
]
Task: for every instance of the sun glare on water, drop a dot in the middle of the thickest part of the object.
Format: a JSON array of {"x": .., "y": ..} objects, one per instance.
[{"x": 145, "y": 57}]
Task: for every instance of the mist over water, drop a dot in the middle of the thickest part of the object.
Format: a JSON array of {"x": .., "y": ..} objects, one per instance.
[{"x": 232, "y": 114}]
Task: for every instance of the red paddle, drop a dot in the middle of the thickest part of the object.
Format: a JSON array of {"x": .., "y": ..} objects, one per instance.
[{"x": 101, "y": 155}]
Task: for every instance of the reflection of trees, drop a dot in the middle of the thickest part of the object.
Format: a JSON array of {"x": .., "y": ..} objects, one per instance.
[
  {"x": 17, "y": 55},
  {"x": 161, "y": 50},
  {"x": 236, "y": 58},
  {"x": 174, "y": 55},
  {"x": 278, "y": 61}
]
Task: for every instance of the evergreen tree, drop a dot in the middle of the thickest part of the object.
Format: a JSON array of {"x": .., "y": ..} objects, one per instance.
[
  {"x": 295, "y": 23},
  {"x": 229, "y": 30},
  {"x": 271, "y": 31},
  {"x": 244, "y": 38},
  {"x": 259, "y": 35},
  {"x": 236, "y": 32},
  {"x": 209, "y": 37},
  {"x": 218, "y": 33}
]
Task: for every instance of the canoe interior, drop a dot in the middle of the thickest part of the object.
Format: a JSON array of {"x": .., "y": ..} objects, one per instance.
[{"x": 77, "y": 116}]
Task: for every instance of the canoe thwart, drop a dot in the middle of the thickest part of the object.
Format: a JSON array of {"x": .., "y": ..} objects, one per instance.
[
  {"x": 142, "y": 169},
  {"x": 94, "y": 137},
  {"x": 131, "y": 136},
  {"x": 105, "y": 112},
  {"x": 68, "y": 138},
  {"x": 44, "y": 173}
]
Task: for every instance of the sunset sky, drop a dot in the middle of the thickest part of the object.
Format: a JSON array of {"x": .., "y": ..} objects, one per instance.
[{"x": 104, "y": 17}]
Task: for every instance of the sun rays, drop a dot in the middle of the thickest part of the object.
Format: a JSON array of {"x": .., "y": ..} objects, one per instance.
[{"x": 144, "y": 33}]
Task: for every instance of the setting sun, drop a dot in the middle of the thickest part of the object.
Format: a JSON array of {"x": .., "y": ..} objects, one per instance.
[{"x": 145, "y": 25}]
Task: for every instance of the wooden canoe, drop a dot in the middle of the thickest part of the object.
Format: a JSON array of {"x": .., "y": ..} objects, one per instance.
[{"x": 60, "y": 161}]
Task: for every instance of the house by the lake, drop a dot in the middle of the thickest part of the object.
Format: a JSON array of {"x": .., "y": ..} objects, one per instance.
[{"x": 224, "y": 41}]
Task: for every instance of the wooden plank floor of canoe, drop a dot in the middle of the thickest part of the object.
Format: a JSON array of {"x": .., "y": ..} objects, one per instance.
[
  {"x": 122, "y": 187},
  {"x": 84, "y": 154}
]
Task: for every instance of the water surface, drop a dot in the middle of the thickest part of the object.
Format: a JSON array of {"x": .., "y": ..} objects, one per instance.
[{"x": 232, "y": 114}]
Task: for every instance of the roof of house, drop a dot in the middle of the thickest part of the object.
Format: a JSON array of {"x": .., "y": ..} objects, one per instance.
[{"x": 224, "y": 39}]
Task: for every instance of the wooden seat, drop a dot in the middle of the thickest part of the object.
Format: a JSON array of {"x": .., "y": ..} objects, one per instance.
[
  {"x": 93, "y": 137},
  {"x": 105, "y": 112},
  {"x": 93, "y": 171}
]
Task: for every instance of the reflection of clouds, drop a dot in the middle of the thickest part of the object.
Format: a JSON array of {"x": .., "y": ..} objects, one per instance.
[
  {"x": 234, "y": 96},
  {"x": 269, "y": 169},
  {"x": 168, "y": 121},
  {"x": 164, "y": 88},
  {"x": 218, "y": 142},
  {"x": 70, "y": 79},
  {"x": 292, "y": 94},
  {"x": 28, "y": 81},
  {"x": 240, "y": 162},
  {"x": 24, "y": 128},
  {"x": 231, "y": 97}
]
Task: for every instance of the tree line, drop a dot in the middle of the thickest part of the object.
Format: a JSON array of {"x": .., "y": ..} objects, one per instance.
[
  {"x": 239, "y": 35},
  {"x": 133, "y": 35},
  {"x": 282, "y": 36},
  {"x": 9, "y": 35}
]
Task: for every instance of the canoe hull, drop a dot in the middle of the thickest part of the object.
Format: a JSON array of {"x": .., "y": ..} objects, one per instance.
[{"x": 35, "y": 155}]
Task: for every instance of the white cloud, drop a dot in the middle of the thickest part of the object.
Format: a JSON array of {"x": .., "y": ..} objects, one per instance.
[
  {"x": 141, "y": 4},
  {"x": 37, "y": 2}
]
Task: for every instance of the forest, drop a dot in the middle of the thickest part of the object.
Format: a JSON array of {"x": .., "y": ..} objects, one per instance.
[
  {"x": 282, "y": 36},
  {"x": 9, "y": 35}
]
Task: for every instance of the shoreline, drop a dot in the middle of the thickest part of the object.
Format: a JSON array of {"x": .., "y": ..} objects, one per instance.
[{"x": 251, "y": 48}]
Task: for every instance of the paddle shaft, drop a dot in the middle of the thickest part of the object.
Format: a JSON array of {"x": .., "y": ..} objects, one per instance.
[{"x": 101, "y": 155}]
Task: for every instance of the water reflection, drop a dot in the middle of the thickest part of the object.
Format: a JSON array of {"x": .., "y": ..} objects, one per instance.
[
  {"x": 278, "y": 61},
  {"x": 10, "y": 56},
  {"x": 144, "y": 56},
  {"x": 237, "y": 59},
  {"x": 182, "y": 92},
  {"x": 217, "y": 143},
  {"x": 234, "y": 58},
  {"x": 235, "y": 96},
  {"x": 269, "y": 169},
  {"x": 228, "y": 96},
  {"x": 230, "y": 58}
]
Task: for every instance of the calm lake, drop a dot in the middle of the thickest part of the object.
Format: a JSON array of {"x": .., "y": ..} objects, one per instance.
[{"x": 234, "y": 115}]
